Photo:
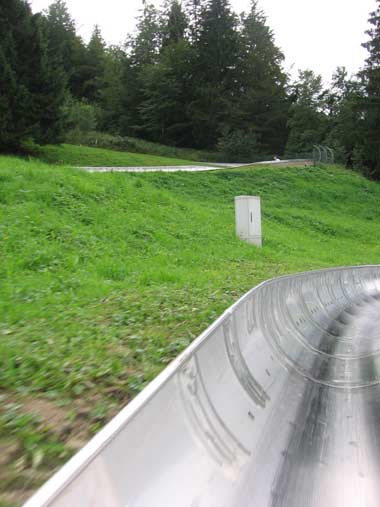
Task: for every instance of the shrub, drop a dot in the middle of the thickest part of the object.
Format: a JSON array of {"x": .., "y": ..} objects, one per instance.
[
  {"x": 239, "y": 146},
  {"x": 80, "y": 117}
]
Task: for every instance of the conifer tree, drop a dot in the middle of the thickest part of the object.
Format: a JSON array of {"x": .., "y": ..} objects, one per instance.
[
  {"x": 108, "y": 114},
  {"x": 371, "y": 73},
  {"x": 307, "y": 120},
  {"x": 65, "y": 47},
  {"x": 193, "y": 9},
  {"x": 95, "y": 62},
  {"x": 263, "y": 103},
  {"x": 47, "y": 84},
  {"x": 31, "y": 87},
  {"x": 15, "y": 98},
  {"x": 215, "y": 73},
  {"x": 167, "y": 85},
  {"x": 174, "y": 24},
  {"x": 143, "y": 49},
  {"x": 344, "y": 102}
]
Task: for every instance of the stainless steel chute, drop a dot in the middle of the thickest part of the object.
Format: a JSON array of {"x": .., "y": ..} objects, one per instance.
[{"x": 277, "y": 404}]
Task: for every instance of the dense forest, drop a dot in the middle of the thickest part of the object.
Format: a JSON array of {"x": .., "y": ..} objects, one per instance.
[{"x": 193, "y": 74}]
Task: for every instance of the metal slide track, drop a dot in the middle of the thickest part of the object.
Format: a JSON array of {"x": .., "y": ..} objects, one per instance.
[{"x": 277, "y": 404}]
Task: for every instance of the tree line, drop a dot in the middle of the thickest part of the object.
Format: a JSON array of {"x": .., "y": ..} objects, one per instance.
[{"x": 193, "y": 74}]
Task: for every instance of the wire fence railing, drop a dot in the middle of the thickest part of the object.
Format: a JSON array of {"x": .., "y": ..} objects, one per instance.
[{"x": 323, "y": 154}]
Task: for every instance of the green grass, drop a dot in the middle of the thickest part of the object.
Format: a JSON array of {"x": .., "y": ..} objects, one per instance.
[
  {"x": 96, "y": 157},
  {"x": 105, "y": 278},
  {"x": 134, "y": 144}
]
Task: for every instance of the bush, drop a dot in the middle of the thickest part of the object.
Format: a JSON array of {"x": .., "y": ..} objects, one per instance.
[
  {"x": 80, "y": 117},
  {"x": 239, "y": 146}
]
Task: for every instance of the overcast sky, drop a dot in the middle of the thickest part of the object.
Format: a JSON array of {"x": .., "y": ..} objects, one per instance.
[{"x": 316, "y": 34}]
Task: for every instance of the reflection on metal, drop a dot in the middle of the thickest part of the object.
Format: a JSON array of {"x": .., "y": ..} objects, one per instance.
[
  {"x": 203, "y": 418},
  {"x": 253, "y": 388},
  {"x": 277, "y": 404}
]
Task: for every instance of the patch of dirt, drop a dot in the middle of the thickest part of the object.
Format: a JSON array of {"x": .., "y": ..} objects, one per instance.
[
  {"x": 70, "y": 424},
  {"x": 76, "y": 433},
  {"x": 8, "y": 450},
  {"x": 47, "y": 411},
  {"x": 15, "y": 498}
]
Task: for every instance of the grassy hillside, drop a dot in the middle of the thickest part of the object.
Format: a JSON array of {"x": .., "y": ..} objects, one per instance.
[
  {"x": 138, "y": 145},
  {"x": 106, "y": 277},
  {"x": 97, "y": 157}
]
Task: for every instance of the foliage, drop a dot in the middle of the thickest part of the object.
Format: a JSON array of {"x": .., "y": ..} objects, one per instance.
[
  {"x": 263, "y": 103},
  {"x": 371, "y": 74},
  {"x": 192, "y": 72},
  {"x": 166, "y": 90},
  {"x": 192, "y": 75},
  {"x": 345, "y": 101},
  {"x": 80, "y": 116},
  {"x": 95, "y": 61},
  {"x": 215, "y": 73},
  {"x": 65, "y": 47},
  {"x": 109, "y": 93},
  {"x": 31, "y": 84},
  {"x": 81, "y": 252},
  {"x": 98, "y": 157},
  {"x": 174, "y": 25},
  {"x": 307, "y": 119},
  {"x": 238, "y": 146},
  {"x": 136, "y": 145}
]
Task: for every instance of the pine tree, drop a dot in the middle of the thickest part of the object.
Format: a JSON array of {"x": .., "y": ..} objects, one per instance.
[
  {"x": 65, "y": 47},
  {"x": 47, "y": 83},
  {"x": 308, "y": 122},
  {"x": 263, "y": 103},
  {"x": 15, "y": 98},
  {"x": 31, "y": 88},
  {"x": 167, "y": 85},
  {"x": 344, "y": 103},
  {"x": 108, "y": 114},
  {"x": 144, "y": 47},
  {"x": 95, "y": 63},
  {"x": 167, "y": 90},
  {"x": 175, "y": 23},
  {"x": 215, "y": 74},
  {"x": 193, "y": 9},
  {"x": 371, "y": 73}
]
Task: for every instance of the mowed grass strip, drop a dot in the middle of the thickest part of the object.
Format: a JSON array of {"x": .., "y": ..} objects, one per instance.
[
  {"x": 70, "y": 154},
  {"x": 105, "y": 278}
]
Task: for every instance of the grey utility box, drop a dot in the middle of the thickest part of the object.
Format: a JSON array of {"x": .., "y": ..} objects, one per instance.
[{"x": 248, "y": 218}]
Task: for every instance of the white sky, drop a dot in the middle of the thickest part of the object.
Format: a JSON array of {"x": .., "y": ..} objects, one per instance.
[{"x": 315, "y": 34}]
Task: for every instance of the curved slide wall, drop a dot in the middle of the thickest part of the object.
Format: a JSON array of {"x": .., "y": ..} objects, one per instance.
[{"x": 277, "y": 404}]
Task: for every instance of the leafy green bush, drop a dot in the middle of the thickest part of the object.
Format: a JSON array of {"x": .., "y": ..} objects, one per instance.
[
  {"x": 80, "y": 117},
  {"x": 239, "y": 146}
]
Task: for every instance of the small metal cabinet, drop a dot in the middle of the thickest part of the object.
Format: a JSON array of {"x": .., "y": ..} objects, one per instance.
[{"x": 248, "y": 218}]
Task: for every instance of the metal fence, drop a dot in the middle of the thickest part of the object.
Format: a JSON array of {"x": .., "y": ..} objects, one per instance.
[{"x": 323, "y": 154}]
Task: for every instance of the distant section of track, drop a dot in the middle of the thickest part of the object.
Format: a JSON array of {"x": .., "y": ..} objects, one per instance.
[
  {"x": 193, "y": 168},
  {"x": 277, "y": 404}
]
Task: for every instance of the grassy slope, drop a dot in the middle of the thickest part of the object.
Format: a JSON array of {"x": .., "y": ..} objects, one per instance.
[
  {"x": 96, "y": 157},
  {"x": 106, "y": 277},
  {"x": 138, "y": 145}
]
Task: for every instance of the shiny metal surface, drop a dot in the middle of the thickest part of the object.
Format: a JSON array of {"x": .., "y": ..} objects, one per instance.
[
  {"x": 277, "y": 404},
  {"x": 194, "y": 168}
]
